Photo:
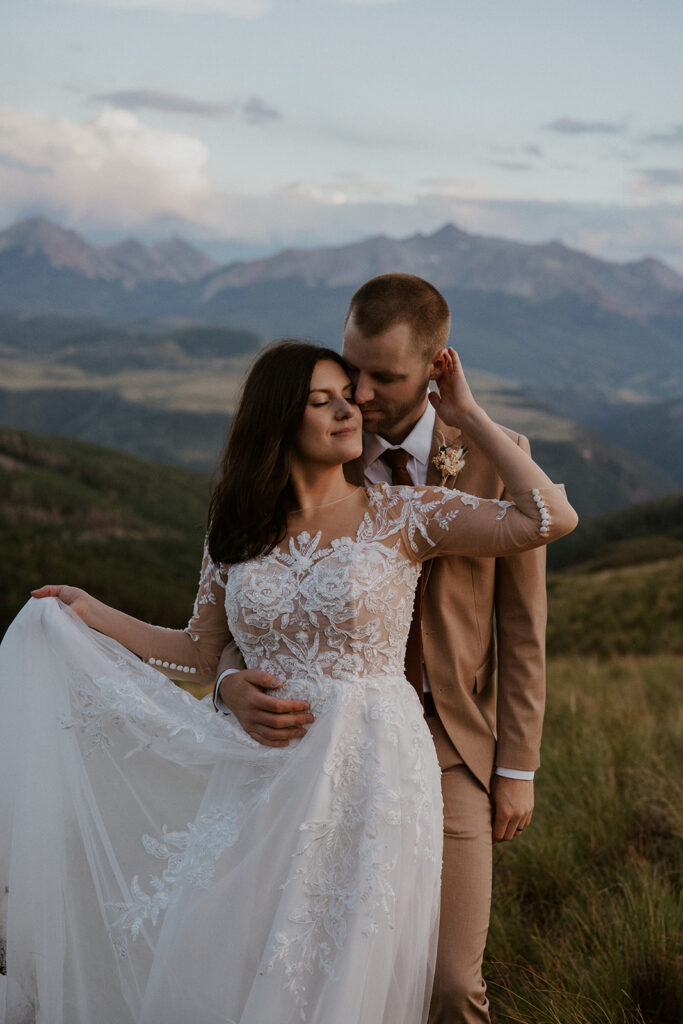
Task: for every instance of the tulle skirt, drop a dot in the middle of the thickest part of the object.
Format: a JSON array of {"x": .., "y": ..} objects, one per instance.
[{"x": 161, "y": 867}]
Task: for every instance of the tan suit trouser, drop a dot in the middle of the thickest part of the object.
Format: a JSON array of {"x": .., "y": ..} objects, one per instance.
[{"x": 459, "y": 995}]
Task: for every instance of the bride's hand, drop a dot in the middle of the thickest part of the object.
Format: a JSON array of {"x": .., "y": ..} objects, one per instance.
[
  {"x": 454, "y": 402},
  {"x": 78, "y": 600}
]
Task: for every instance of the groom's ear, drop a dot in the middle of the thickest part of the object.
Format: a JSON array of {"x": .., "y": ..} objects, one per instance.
[{"x": 436, "y": 366}]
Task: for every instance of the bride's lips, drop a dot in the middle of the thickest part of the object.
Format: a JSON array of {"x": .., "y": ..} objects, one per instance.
[{"x": 346, "y": 432}]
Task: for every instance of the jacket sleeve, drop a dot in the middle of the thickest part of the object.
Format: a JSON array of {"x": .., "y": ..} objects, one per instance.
[{"x": 521, "y": 613}]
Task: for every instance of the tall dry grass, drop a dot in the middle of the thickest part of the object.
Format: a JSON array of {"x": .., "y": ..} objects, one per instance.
[{"x": 588, "y": 907}]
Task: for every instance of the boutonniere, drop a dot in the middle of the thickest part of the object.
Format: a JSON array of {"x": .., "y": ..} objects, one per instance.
[{"x": 449, "y": 459}]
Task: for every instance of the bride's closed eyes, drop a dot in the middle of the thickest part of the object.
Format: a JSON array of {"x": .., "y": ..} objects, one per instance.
[{"x": 318, "y": 401}]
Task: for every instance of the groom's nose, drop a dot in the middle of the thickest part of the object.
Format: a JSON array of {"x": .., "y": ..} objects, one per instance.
[{"x": 364, "y": 391}]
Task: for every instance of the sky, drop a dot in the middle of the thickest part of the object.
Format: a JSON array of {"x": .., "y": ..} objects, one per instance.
[{"x": 247, "y": 126}]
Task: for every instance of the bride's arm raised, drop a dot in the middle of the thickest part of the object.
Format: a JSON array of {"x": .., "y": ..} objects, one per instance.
[
  {"x": 440, "y": 521},
  {"x": 189, "y": 654}
]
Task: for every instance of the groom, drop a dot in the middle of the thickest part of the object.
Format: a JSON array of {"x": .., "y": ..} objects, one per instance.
[{"x": 480, "y": 618}]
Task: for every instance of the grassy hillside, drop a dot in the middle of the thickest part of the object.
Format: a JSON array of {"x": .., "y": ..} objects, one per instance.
[
  {"x": 617, "y": 584},
  {"x": 631, "y": 610},
  {"x": 644, "y": 533},
  {"x": 587, "y": 906}
]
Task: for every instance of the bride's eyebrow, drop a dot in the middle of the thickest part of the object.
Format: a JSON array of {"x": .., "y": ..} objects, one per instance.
[{"x": 329, "y": 391}]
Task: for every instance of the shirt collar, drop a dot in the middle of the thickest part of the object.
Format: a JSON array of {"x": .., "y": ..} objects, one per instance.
[{"x": 418, "y": 443}]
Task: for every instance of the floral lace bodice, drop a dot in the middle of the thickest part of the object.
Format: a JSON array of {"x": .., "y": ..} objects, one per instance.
[
  {"x": 313, "y": 610},
  {"x": 335, "y": 597}
]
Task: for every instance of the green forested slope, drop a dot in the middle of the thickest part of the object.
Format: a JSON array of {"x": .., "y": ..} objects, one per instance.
[{"x": 127, "y": 530}]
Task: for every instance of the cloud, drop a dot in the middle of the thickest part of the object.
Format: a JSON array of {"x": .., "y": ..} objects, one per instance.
[
  {"x": 253, "y": 110},
  {"x": 256, "y": 111},
  {"x": 238, "y": 8},
  {"x": 110, "y": 168},
  {"x": 674, "y": 137},
  {"x": 570, "y": 126},
  {"x": 659, "y": 177},
  {"x": 512, "y": 165},
  {"x": 169, "y": 102},
  {"x": 342, "y": 190}
]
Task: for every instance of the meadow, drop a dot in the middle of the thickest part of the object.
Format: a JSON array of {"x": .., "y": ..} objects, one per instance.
[
  {"x": 588, "y": 905},
  {"x": 587, "y": 910}
]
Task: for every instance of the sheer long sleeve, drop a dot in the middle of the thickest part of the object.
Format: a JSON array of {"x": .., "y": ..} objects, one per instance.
[
  {"x": 192, "y": 653},
  {"x": 437, "y": 521}
]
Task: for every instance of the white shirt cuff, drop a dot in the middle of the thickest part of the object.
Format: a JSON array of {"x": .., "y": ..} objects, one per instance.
[
  {"x": 217, "y": 702},
  {"x": 515, "y": 773}
]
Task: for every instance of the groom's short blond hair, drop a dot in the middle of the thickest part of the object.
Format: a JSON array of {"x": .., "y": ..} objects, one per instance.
[{"x": 390, "y": 299}]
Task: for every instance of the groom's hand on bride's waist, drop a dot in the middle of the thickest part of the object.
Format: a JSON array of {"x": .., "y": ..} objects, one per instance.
[{"x": 271, "y": 720}]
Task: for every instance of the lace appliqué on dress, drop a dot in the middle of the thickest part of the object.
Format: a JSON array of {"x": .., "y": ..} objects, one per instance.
[
  {"x": 344, "y": 869},
  {"x": 191, "y": 857},
  {"x": 399, "y": 509},
  {"x": 210, "y": 574},
  {"x": 107, "y": 703}
]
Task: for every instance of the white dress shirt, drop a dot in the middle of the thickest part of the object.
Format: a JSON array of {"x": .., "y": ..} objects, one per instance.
[{"x": 418, "y": 444}]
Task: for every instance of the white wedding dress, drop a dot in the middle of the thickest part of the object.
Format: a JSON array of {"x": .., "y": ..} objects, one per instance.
[{"x": 161, "y": 867}]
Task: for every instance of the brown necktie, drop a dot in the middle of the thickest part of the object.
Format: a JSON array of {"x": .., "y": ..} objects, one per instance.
[{"x": 397, "y": 458}]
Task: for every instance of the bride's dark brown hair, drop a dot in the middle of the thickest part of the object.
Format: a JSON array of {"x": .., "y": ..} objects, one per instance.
[{"x": 253, "y": 495}]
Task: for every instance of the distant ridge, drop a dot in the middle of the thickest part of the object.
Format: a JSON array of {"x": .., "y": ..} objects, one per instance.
[
  {"x": 452, "y": 258},
  {"x": 129, "y": 262},
  {"x": 47, "y": 268}
]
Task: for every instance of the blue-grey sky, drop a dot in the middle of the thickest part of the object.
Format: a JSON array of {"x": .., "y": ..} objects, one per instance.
[{"x": 247, "y": 125}]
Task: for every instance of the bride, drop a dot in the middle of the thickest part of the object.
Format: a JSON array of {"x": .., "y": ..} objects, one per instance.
[{"x": 160, "y": 865}]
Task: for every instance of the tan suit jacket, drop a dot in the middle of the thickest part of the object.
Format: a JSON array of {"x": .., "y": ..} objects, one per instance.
[{"x": 483, "y": 635}]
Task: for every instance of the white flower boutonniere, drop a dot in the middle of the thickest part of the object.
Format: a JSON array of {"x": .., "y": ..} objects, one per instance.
[{"x": 449, "y": 459}]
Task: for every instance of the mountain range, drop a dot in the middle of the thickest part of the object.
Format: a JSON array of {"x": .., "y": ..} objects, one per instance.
[
  {"x": 452, "y": 258},
  {"x": 40, "y": 253}
]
